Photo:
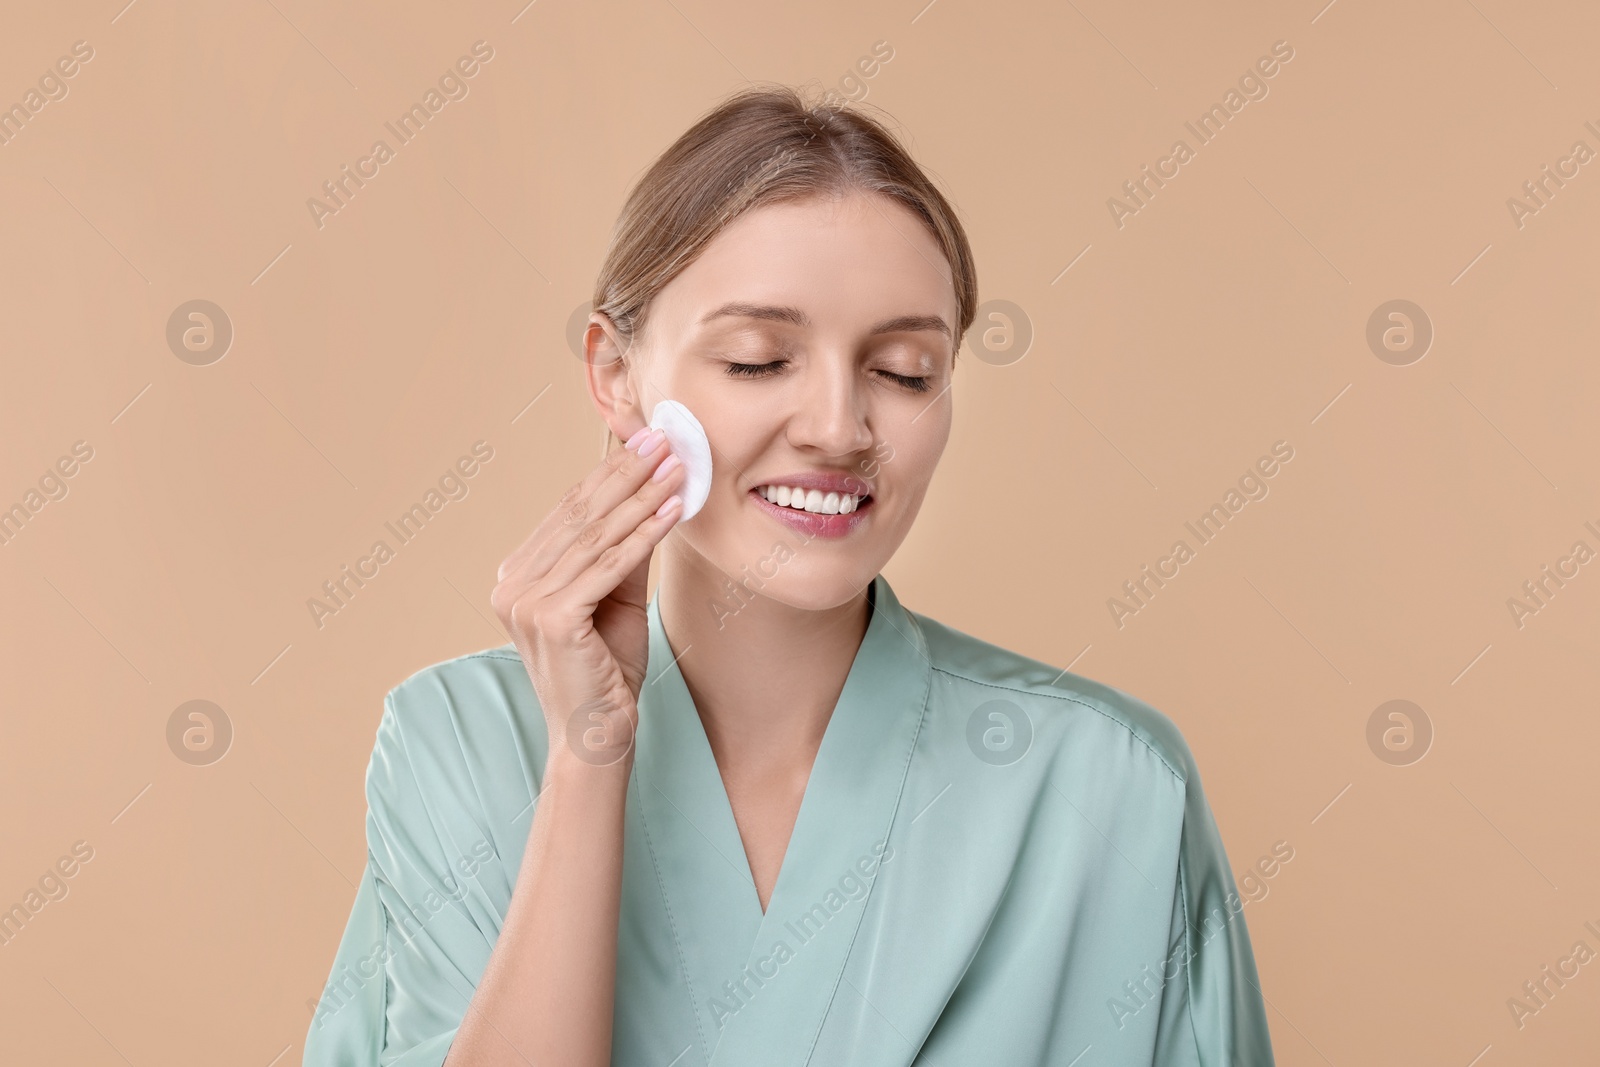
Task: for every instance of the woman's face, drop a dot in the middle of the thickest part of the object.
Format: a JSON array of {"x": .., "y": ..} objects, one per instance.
[{"x": 814, "y": 342}]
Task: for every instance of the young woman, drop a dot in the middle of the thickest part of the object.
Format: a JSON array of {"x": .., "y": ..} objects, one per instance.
[{"x": 771, "y": 816}]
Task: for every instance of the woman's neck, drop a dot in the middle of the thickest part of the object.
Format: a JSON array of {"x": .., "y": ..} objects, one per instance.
[{"x": 764, "y": 676}]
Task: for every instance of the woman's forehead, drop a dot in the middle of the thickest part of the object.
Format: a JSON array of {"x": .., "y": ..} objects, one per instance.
[{"x": 813, "y": 264}]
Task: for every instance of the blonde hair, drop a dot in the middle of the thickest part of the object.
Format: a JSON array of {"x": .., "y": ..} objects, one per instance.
[{"x": 763, "y": 145}]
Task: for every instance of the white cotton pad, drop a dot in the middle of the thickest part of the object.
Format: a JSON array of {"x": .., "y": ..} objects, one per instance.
[{"x": 689, "y": 443}]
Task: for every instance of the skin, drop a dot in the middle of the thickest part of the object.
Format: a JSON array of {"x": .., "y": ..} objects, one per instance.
[{"x": 573, "y": 596}]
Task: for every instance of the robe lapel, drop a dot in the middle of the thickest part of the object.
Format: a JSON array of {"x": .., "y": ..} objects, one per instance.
[
  {"x": 768, "y": 1005},
  {"x": 682, "y": 833}
]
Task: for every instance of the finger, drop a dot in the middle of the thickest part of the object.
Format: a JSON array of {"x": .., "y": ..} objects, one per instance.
[
  {"x": 602, "y": 533},
  {"x": 607, "y": 569},
  {"x": 583, "y": 522},
  {"x": 620, "y": 473},
  {"x": 579, "y": 490},
  {"x": 537, "y": 571}
]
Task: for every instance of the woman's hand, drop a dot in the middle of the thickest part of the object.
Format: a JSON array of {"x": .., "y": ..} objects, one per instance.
[{"x": 572, "y": 597}]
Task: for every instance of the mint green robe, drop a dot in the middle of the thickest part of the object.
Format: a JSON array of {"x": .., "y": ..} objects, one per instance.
[{"x": 994, "y": 862}]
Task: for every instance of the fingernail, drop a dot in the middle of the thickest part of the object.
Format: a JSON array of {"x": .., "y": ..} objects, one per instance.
[
  {"x": 638, "y": 435},
  {"x": 668, "y": 504},
  {"x": 666, "y": 468},
  {"x": 648, "y": 446}
]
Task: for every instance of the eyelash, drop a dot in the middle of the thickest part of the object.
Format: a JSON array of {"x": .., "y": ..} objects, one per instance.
[{"x": 762, "y": 370}]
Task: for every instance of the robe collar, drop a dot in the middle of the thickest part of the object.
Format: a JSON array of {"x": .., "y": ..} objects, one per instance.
[{"x": 761, "y": 984}]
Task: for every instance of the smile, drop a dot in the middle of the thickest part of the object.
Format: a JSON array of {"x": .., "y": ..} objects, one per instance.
[
  {"x": 812, "y": 500},
  {"x": 813, "y": 512}
]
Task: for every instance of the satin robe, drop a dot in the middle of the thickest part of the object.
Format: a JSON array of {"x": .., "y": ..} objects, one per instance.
[{"x": 994, "y": 862}]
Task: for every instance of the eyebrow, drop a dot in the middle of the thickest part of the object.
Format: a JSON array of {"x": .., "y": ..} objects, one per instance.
[{"x": 796, "y": 317}]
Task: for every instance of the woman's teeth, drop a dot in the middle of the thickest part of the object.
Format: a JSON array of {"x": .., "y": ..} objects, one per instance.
[{"x": 813, "y": 500}]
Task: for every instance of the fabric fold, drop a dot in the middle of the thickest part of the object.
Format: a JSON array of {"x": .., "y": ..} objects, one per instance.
[{"x": 993, "y": 859}]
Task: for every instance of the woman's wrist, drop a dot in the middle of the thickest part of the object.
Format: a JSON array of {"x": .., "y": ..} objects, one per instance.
[
  {"x": 578, "y": 796},
  {"x": 587, "y": 771}
]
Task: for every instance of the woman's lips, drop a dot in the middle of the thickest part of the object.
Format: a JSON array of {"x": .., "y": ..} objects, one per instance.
[{"x": 811, "y": 523}]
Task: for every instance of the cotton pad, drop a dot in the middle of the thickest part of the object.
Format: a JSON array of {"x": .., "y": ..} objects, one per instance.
[{"x": 689, "y": 443}]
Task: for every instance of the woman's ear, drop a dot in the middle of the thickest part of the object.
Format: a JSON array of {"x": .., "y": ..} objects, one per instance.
[{"x": 609, "y": 378}]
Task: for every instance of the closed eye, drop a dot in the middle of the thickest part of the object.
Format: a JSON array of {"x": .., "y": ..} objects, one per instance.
[
  {"x": 916, "y": 385},
  {"x": 762, "y": 370},
  {"x": 754, "y": 370}
]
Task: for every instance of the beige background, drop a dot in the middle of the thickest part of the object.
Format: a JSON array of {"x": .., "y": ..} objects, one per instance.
[{"x": 1229, "y": 313}]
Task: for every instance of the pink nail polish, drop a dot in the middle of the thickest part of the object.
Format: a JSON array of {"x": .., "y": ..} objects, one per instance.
[
  {"x": 638, "y": 435},
  {"x": 648, "y": 446},
  {"x": 666, "y": 468},
  {"x": 668, "y": 504}
]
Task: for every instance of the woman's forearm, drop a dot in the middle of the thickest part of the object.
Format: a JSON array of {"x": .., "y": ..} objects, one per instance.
[{"x": 546, "y": 995}]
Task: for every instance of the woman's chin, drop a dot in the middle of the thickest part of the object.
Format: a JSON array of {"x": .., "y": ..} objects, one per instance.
[{"x": 783, "y": 575}]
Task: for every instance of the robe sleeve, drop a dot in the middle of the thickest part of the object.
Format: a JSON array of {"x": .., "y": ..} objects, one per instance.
[
  {"x": 412, "y": 951},
  {"x": 350, "y": 1028},
  {"x": 1212, "y": 1012}
]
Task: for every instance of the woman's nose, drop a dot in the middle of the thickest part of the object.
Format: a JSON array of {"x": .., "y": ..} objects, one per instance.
[{"x": 831, "y": 416}]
